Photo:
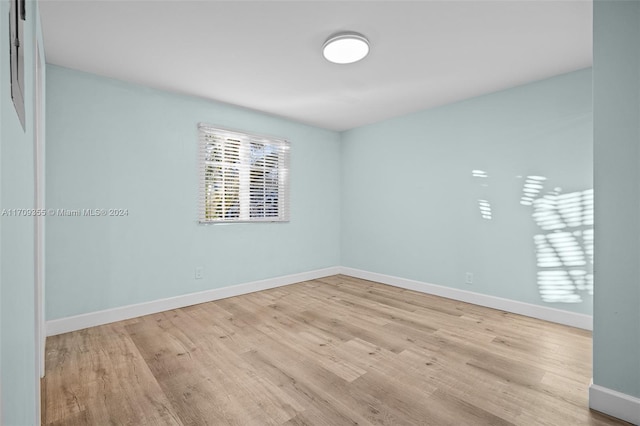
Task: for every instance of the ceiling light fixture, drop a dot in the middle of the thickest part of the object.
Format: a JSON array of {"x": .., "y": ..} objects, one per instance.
[{"x": 345, "y": 48}]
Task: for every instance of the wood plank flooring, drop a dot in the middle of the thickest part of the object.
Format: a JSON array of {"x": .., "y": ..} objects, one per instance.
[{"x": 333, "y": 351}]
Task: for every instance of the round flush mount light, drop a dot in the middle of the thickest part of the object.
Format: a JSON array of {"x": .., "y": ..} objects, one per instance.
[{"x": 345, "y": 48}]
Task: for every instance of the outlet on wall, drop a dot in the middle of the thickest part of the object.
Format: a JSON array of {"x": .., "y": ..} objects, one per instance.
[
  {"x": 468, "y": 278},
  {"x": 199, "y": 272}
]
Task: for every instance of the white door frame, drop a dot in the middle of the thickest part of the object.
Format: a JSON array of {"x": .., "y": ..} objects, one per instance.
[
  {"x": 39, "y": 202},
  {"x": 40, "y": 334}
]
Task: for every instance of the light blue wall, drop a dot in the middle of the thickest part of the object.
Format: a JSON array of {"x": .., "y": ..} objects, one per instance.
[
  {"x": 411, "y": 203},
  {"x": 616, "y": 334},
  {"x": 116, "y": 145},
  {"x": 18, "y": 357},
  {"x": 409, "y": 199}
]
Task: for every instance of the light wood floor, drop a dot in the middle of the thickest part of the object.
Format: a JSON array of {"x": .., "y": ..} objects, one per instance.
[{"x": 334, "y": 351}]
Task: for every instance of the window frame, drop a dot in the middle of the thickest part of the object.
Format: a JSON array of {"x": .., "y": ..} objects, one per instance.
[{"x": 240, "y": 145}]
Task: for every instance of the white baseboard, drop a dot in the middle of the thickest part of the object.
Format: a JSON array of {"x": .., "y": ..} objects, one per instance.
[
  {"x": 92, "y": 319},
  {"x": 527, "y": 309},
  {"x": 78, "y": 322},
  {"x": 614, "y": 403}
]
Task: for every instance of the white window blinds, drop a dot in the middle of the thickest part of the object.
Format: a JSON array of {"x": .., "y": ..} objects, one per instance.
[{"x": 243, "y": 177}]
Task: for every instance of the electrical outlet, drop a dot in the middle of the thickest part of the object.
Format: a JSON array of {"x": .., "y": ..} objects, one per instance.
[
  {"x": 469, "y": 278},
  {"x": 199, "y": 273}
]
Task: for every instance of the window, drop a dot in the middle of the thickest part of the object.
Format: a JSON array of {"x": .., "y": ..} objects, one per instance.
[{"x": 243, "y": 178}]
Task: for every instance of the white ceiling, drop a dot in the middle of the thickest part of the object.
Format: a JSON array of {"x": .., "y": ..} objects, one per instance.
[{"x": 266, "y": 56}]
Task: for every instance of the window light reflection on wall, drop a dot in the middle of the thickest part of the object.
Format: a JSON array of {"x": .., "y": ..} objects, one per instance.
[
  {"x": 532, "y": 187},
  {"x": 564, "y": 251},
  {"x": 564, "y": 242},
  {"x": 483, "y": 204},
  {"x": 485, "y": 209}
]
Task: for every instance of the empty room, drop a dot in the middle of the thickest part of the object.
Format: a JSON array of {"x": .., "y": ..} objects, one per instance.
[{"x": 319, "y": 212}]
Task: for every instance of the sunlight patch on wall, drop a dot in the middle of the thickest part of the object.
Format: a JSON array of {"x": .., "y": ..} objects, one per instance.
[
  {"x": 563, "y": 243},
  {"x": 483, "y": 204},
  {"x": 564, "y": 251},
  {"x": 532, "y": 187},
  {"x": 485, "y": 209}
]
